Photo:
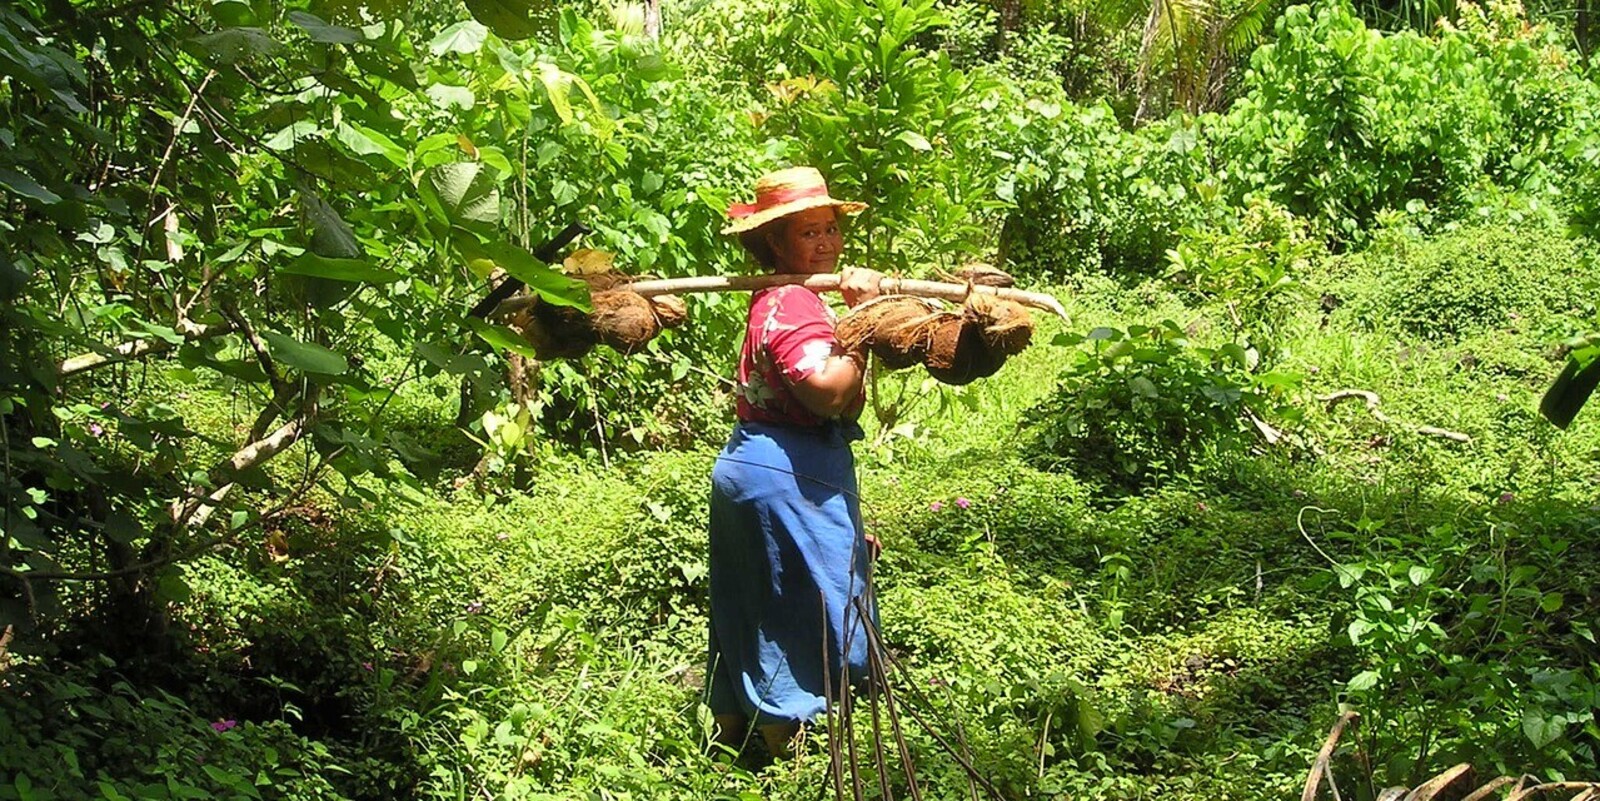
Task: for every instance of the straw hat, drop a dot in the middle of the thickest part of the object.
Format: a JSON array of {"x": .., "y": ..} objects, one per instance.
[{"x": 782, "y": 193}]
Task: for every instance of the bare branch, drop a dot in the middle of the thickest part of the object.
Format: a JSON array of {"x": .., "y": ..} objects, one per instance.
[
  {"x": 820, "y": 283},
  {"x": 1371, "y": 399},
  {"x": 137, "y": 348}
]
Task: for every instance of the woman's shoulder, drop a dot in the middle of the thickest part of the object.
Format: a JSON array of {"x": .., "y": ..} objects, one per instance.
[{"x": 789, "y": 298}]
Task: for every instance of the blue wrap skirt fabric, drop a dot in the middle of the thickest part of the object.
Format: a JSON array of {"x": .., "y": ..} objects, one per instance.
[{"x": 788, "y": 563}]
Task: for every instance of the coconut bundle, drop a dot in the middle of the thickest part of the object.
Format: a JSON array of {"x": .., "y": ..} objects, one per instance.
[
  {"x": 901, "y": 328},
  {"x": 957, "y": 347},
  {"x": 622, "y": 320}
]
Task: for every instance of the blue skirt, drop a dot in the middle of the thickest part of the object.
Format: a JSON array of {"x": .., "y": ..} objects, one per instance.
[{"x": 788, "y": 563}]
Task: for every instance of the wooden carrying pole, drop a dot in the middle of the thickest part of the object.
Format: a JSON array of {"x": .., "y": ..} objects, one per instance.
[{"x": 826, "y": 282}]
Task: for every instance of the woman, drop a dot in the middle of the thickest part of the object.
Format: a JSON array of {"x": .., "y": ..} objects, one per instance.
[{"x": 789, "y": 559}]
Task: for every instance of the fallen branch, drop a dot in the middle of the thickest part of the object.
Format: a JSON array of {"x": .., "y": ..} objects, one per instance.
[
  {"x": 136, "y": 348},
  {"x": 1371, "y": 399},
  {"x": 1319, "y": 769},
  {"x": 819, "y": 283},
  {"x": 194, "y": 507}
]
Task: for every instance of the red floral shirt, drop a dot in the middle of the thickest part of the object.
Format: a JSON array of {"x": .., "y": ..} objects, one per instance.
[{"x": 788, "y": 338}]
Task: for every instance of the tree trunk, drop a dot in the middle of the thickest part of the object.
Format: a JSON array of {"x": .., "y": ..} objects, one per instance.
[
  {"x": 1010, "y": 22},
  {"x": 652, "y": 18}
]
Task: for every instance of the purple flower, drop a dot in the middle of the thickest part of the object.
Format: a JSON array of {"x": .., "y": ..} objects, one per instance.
[
  {"x": 367, "y": 666},
  {"x": 935, "y": 506},
  {"x": 963, "y": 503},
  {"x": 95, "y": 429},
  {"x": 475, "y": 607},
  {"x": 1506, "y": 497},
  {"x": 220, "y": 726}
]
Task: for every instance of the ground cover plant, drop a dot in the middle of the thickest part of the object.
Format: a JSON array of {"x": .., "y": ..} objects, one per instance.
[{"x": 285, "y": 519}]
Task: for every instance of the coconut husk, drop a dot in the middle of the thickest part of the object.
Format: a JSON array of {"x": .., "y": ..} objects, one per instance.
[
  {"x": 600, "y": 282},
  {"x": 887, "y": 327},
  {"x": 556, "y": 332},
  {"x": 957, "y": 353},
  {"x": 671, "y": 310},
  {"x": 623, "y": 320},
  {"x": 1006, "y": 327},
  {"x": 985, "y": 275}
]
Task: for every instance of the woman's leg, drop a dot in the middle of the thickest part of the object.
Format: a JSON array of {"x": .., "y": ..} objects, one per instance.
[
  {"x": 731, "y": 729},
  {"x": 780, "y": 738}
]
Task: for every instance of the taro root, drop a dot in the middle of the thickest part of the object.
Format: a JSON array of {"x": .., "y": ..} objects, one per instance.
[
  {"x": 670, "y": 310},
  {"x": 623, "y": 320},
  {"x": 1006, "y": 327}
]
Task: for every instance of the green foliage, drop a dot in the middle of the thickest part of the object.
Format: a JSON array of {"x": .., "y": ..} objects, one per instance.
[
  {"x": 893, "y": 126},
  {"x": 1089, "y": 194},
  {"x": 235, "y": 224},
  {"x": 1473, "y": 281},
  {"x": 1142, "y": 405},
  {"x": 1339, "y": 123},
  {"x": 1431, "y": 616},
  {"x": 89, "y": 731}
]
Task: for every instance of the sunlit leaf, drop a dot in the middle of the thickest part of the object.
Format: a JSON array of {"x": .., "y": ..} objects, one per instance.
[
  {"x": 463, "y": 37},
  {"x": 365, "y": 141},
  {"x": 466, "y": 191}
]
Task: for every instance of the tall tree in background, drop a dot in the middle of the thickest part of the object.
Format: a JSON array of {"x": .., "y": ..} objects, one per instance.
[{"x": 1189, "y": 48}]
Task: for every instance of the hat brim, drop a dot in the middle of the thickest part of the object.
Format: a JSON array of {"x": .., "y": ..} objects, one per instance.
[{"x": 765, "y": 216}]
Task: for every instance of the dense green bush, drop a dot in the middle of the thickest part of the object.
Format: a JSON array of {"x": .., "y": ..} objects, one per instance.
[
  {"x": 1135, "y": 408},
  {"x": 1473, "y": 281},
  {"x": 1339, "y": 122},
  {"x": 1089, "y": 194}
]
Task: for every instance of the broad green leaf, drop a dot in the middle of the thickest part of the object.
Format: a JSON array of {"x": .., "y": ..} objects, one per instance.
[
  {"x": 232, "y": 13},
  {"x": 463, "y": 37},
  {"x": 304, "y": 356},
  {"x": 232, "y": 45},
  {"x": 513, "y": 19},
  {"x": 446, "y": 96},
  {"x": 321, "y": 31},
  {"x": 551, "y": 284},
  {"x": 915, "y": 141},
  {"x": 353, "y": 270},
  {"x": 1365, "y": 680},
  {"x": 502, "y": 338},
  {"x": 364, "y": 141},
  {"x": 466, "y": 191},
  {"x": 1541, "y": 730},
  {"x": 557, "y": 85},
  {"x": 27, "y": 187},
  {"x": 291, "y": 133},
  {"x": 331, "y": 236}
]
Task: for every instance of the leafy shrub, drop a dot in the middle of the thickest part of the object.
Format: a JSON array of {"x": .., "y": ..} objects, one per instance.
[
  {"x": 1140, "y": 406},
  {"x": 1339, "y": 122},
  {"x": 84, "y": 731},
  {"x": 1088, "y": 194},
  {"x": 1471, "y": 281}
]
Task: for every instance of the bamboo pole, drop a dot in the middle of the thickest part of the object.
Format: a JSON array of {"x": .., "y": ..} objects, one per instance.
[{"x": 826, "y": 282}]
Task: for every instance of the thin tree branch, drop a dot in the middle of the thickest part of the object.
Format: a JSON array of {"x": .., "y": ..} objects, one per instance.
[{"x": 137, "y": 348}]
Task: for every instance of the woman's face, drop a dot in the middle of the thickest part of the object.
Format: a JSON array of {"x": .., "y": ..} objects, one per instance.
[{"x": 809, "y": 242}]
